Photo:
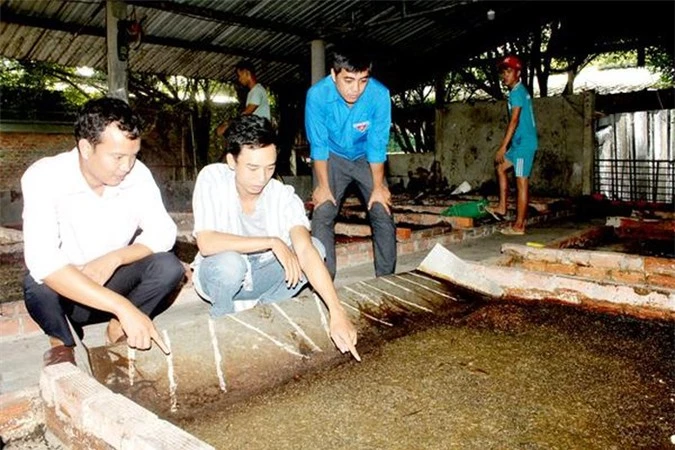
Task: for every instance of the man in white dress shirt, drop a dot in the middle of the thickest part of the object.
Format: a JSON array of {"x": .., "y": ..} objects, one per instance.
[{"x": 97, "y": 236}]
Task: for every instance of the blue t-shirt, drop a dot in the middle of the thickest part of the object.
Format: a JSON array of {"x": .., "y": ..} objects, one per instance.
[
  {"x": 352, "y": 133},
  {"x": 526, "y": 131}
]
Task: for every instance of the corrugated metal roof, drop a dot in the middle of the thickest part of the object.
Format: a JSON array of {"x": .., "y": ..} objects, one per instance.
[{"x": 206, "y": 38}]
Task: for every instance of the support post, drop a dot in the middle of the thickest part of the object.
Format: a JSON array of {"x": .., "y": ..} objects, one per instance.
[
  {"x": 116, "y": 12},
  {"x": 588, "y": 143},
  {"x": 318, "y": 60}
]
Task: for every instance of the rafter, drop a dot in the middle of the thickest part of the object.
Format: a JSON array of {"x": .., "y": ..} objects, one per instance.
[
  {"x": 9, "y": 16},
  {"x": 224, "y": 17}
]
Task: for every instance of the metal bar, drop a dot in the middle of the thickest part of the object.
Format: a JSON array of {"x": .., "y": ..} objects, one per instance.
[
  {"x": 633, "y": 159},
  {"x": 623, "y": 177}
]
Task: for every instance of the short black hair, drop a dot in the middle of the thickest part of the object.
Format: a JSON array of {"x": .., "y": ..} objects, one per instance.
[
  {"x": 252, "y": 131},
  {"x": 245, "y": 65},
  {"x": 351, "y": 59},
  {"x": 95, "y": 115}
]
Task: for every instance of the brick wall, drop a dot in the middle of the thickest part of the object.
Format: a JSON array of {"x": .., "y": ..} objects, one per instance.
[
  {"x": 165, "y": 147},
  {"x": 18, "y": 150}
]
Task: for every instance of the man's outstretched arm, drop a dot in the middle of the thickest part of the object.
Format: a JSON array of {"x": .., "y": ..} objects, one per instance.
[
  {"x": 75, "y": 285},
  {"x": 342, "y": 330}
]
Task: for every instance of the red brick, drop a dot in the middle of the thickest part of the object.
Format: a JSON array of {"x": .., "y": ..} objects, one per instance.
[
  {"x": 342, "y": 260},
  {"x": 19, "y": 150},
  {"x": 73, "y": 392},
  {"x": 406, "y": 247},
  {"x": 646, "y": 229},
  {"x": 604, "y": 260},
  {"x": 28, "y": 325},
  {"x": 19, "y": 413},
  {"x": 450, "y": 238},
  {"x": 20, "y": 307},
  {"x": 403, "y": 234},
  {"x": 537, "y": 266},
  {"x": 8, "y": 309},
  {"x": 359, "y": 258},
  {"x": 70, "y": 435},
  {"x": 628, "y": 277},
  {"x": 352, "y": 229},
  {"x": 461, "y": 222},
  {"x": 423, "y": 244},
  {"x": 426, "y": 233},
  {"x": 594, "y": 273},
  {"x": 564, "y": 269},
  {"x": 10, "y": 326},
  {"x": 578, "y": 257},
  {"x": 666, "y": 281},
  {"x": 659, "y": 265},
  {"x": 363, "y": 247}
]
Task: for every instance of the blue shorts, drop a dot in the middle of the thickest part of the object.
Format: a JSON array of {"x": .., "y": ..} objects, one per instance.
[{"x": 522, "y": 159}]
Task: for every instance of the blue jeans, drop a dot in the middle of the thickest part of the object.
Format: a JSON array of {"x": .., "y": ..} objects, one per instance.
[{"x": 222, "y": 275}]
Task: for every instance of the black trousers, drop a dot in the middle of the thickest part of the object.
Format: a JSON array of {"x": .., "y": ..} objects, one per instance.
[
  {"x": 146, "y": 283},
  {"x": 341, "y": 173}
]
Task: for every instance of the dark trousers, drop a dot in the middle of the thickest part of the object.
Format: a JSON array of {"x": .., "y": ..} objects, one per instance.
[
  {"x": 341, "y": 173},
  {"x": 146, "y": 283}
]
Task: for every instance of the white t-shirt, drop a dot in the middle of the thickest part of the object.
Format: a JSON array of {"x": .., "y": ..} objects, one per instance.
[
  {"x": 258, "y": 96},
  {"x": 66, "y": 222},
  {"x": 216, "y": 207}
]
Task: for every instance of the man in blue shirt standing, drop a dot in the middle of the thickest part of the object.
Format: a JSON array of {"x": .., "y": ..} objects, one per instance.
[
  {"x": 347, "y": 119},
  {"x": 520, "y": 140}
]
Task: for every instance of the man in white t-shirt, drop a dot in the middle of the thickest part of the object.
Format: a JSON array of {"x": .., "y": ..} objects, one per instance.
[
  {"x": 257, "y": 100},
  {"x": 253, "y": 234},
  {"x": 97, "y": 236}
]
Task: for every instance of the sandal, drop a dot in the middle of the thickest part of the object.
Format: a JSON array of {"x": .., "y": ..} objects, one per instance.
[
  {"x": 498, "y": 217},
  {"x": 510, "y": 231}
]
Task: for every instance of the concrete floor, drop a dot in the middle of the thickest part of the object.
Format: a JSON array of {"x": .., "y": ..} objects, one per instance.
[{"x": 21, "y": 359}]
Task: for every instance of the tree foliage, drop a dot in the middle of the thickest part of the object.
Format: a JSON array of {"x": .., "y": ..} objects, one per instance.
[
  {"x": 168, "y": 105},
  {"x": 657, "y": 59},
  {"x": 412, "y": 120},
  {"x": 479, "y": 78},
  {"x": 39, "y": 91}
]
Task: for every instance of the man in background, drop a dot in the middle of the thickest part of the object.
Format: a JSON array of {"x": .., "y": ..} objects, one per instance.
[
  {"x": 518, "y": 147},
  {"x": 257, "y": 100}
]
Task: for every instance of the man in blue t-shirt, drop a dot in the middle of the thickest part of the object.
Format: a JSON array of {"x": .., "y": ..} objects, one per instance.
[
  {"x": 347, "y": 119},
  {"x": 518, "y": 146}
]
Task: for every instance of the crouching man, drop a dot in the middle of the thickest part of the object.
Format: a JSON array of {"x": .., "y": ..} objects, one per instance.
[
  {"x": 97, "y": 236},
  {"x": 253, "y": 234}
]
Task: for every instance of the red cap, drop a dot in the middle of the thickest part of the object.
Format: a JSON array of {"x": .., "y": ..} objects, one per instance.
[{"x": 511, "y": 61}]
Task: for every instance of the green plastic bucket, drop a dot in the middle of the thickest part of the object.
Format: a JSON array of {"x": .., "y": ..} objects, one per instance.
[{"x": 475, "y": 210}]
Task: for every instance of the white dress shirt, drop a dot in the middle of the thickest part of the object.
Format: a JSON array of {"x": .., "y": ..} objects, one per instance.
[{"x": 66, "y": 222}]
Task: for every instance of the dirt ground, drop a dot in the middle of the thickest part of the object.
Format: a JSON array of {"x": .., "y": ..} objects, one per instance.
[{"x": 505, "y": 376}]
